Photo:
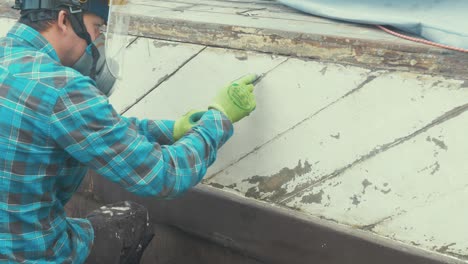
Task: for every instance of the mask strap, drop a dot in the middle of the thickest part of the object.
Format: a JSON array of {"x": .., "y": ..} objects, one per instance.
[{"x": 76, "y": 19}]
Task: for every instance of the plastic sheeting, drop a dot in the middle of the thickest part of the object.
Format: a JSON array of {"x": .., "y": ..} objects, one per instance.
[{"x": 441, "y": 21}]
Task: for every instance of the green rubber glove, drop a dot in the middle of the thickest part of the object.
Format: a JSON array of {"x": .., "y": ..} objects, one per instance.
[
  {"x": 236, "y": 100},
  {"x": 186, "y": 122}
]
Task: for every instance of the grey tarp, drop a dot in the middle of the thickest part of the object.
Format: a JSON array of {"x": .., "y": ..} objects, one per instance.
[{"x": 442, "y": 21}]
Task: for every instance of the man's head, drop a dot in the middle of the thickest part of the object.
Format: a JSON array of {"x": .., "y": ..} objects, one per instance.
[
  {"x": 73, "y": 28},
  {"x": 69, "y": 25}
]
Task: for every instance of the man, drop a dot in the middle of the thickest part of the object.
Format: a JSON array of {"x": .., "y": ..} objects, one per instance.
[{"x": 55, "y": 123}]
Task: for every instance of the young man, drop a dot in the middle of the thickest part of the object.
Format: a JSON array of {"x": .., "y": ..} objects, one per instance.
[{"x": 55, "y": 123}]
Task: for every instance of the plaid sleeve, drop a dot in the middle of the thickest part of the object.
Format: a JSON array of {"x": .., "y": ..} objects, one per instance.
[
  {"x": 86, "y": 126},
  {"x": 160, "y": 131}
]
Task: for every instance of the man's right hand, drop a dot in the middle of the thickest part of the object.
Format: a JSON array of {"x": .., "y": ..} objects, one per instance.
[{"x": 236, "y": 100}]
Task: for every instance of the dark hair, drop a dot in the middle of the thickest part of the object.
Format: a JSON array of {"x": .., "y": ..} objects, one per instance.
[{"x": 40, "y": 20}]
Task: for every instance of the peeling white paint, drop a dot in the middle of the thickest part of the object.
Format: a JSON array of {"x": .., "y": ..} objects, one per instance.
[
  {"x": 381, "y": 112},
  {"x": 438, "y": 225},
  {"x": 414, "y": 174},
  {"x": 316, "y": 120},
  {"x": 198, "y": 82},
  {"x": 147, "y": 62}
]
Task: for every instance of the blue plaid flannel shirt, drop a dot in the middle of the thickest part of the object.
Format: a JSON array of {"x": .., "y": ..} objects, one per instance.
[{"x": 54, "y": 124}]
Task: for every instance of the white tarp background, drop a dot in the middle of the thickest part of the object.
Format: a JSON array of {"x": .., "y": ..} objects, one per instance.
[{"x": 441, "y": 21}]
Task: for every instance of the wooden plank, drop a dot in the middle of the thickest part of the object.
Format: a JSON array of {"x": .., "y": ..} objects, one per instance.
[
  {"x": 287, "y": 96},
  {"x": 198, "y": 81},
  {"x": 395, "y": 193},
  {"x": 416, "y": 173},
  {"x": 281, "y": 156},
  {"x": 384, "y": 113},
  {"x": 272, "y": 92},
  {"x": 444, "y": 226},
  {"x": 148, "y": 63}
]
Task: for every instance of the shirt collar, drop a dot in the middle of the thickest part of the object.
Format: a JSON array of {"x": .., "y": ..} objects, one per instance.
[{"x": 33, "y": 38}]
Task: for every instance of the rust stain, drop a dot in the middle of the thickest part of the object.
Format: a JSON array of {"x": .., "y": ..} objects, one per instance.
[
  {"x": 274, "y": 184},
  {"x": 441, "y": 144},
  {"x": 355, "y": 200},
  {"x": 324, "y": 70},
  {"x": 366, "y": 183},
  {"x": 386, "y": 191},
  {"x": 216, "y": 185},
  {"x": 250, "y": 12},
  {"x": 414, "y": 243},
  {"x": 243, "y": 57},
  {"x": 436, "y": 168},
  {"x": 183, "y": 8},
  {"x": 382, "y": 190},
  {"x": 313, "y": 198},
  {"x": 464, "y": 84},
  {"x": 437, "y": 83},
  {"x": 444, "y": 249},
  {"x": 160, "y": 44}
]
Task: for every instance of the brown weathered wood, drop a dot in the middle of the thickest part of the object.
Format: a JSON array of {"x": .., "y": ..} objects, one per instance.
[{"x": 373, "y": 53}]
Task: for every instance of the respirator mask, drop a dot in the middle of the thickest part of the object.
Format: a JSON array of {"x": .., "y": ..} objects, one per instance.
[{"x": 104, "y": 78}]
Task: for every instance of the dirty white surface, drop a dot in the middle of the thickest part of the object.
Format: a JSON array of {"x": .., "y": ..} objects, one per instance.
[
  {"x": 375, "y": 150},
  {"x": 5, "y": 25},
  {"x": 379, "y": 151}
]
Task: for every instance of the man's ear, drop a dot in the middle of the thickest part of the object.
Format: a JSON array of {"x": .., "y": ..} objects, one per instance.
[{"x": 62, "y": 21}]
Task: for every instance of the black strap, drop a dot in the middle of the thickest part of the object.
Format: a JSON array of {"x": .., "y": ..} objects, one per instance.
[
  {"x": 35, "y": 15},
  {"x": 73, "y": 5},
  {"x": 80, "y": 29},
  {"x": 38, "y": 4}
]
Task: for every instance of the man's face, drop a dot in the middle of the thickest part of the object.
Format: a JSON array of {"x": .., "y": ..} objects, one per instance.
[
  {"x": 94, "y": 25},
  {"x": 76, "y": 45},
  {"x": 68, "y": 45}
]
